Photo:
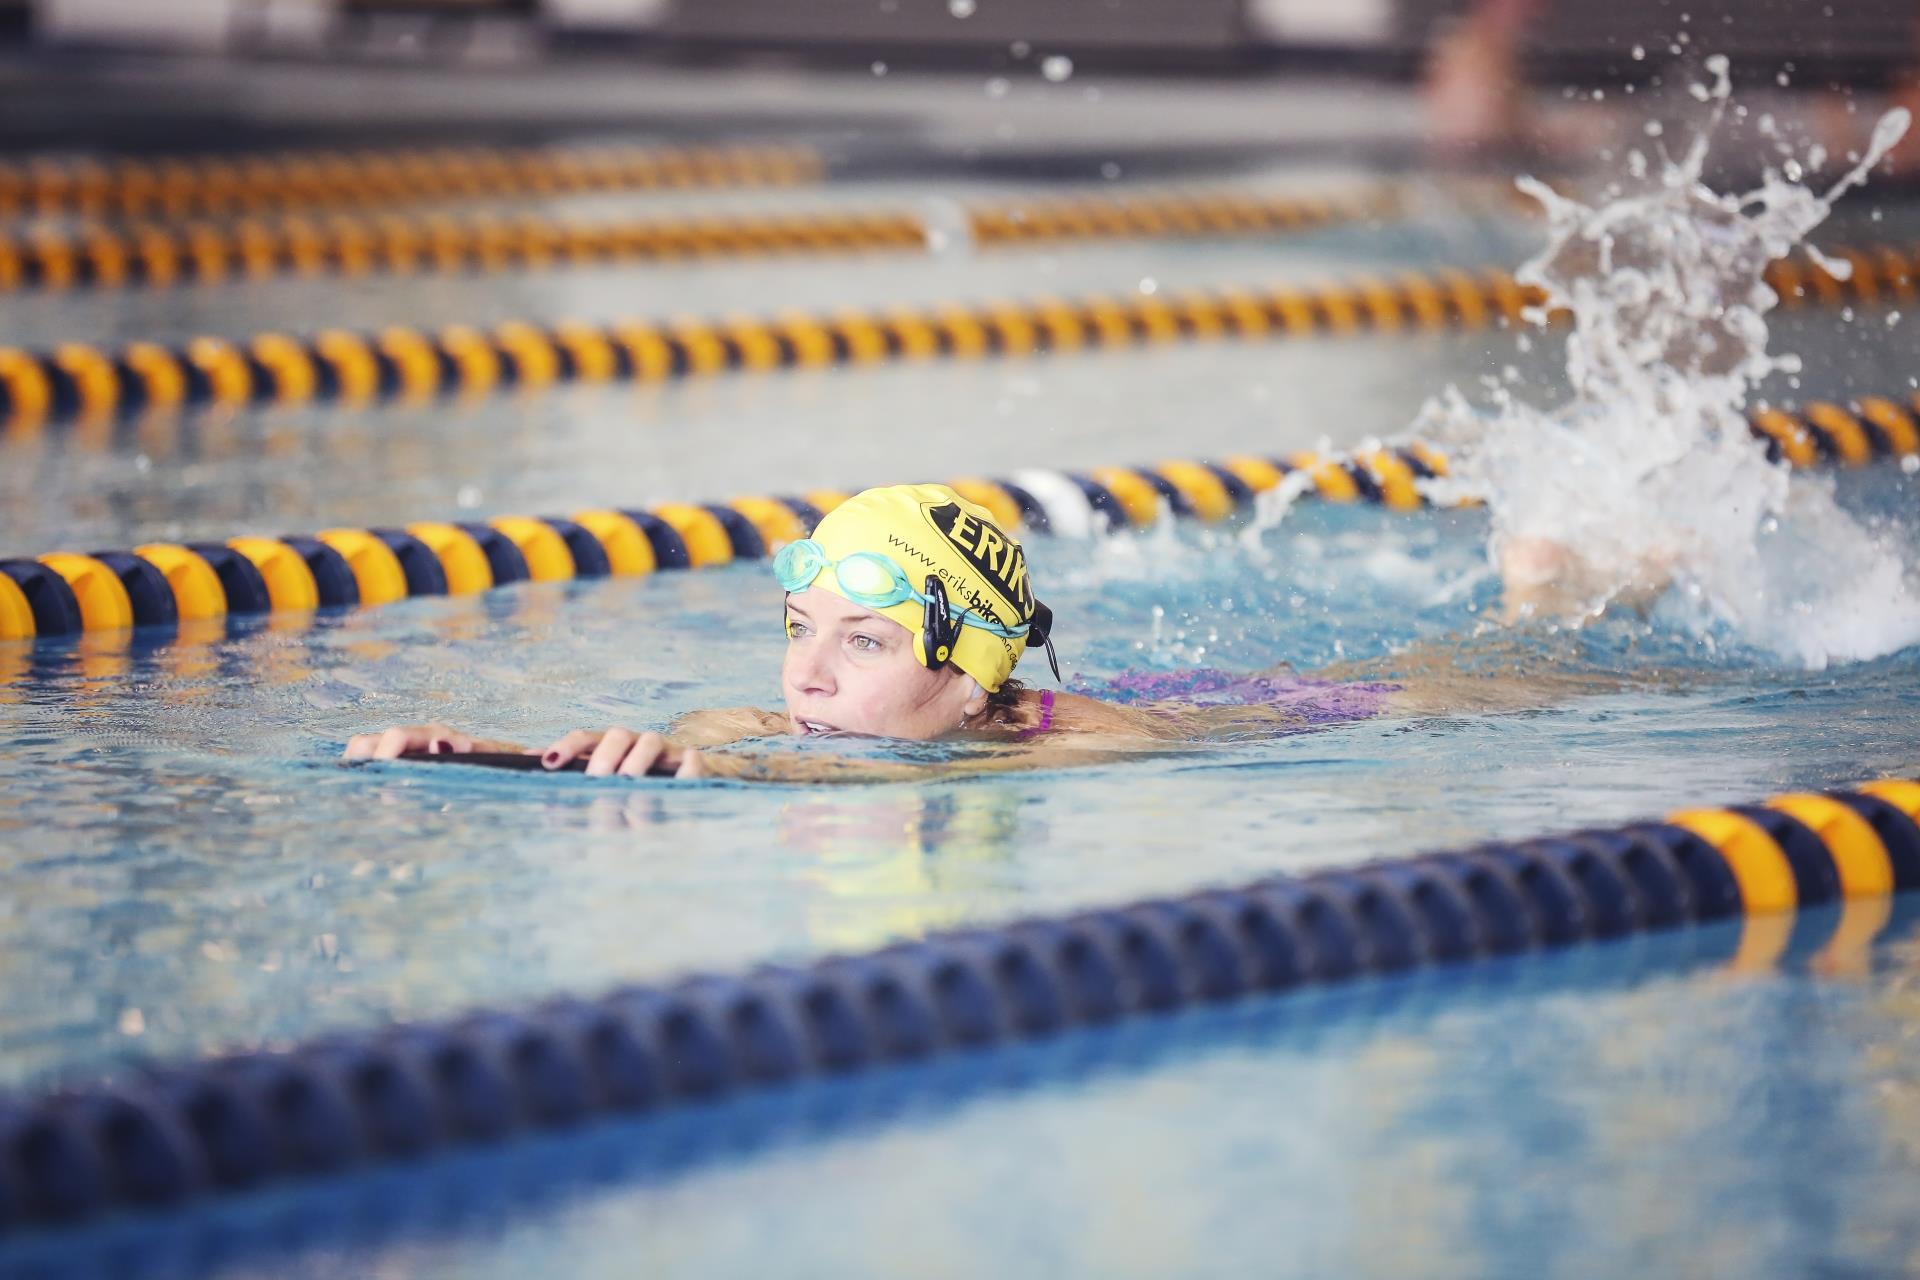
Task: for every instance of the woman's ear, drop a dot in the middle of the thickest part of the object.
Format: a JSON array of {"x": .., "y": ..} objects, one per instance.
[{"x": 976, "y": 698}]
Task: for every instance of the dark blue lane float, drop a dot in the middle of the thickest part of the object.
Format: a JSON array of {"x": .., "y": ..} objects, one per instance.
[
  {"x": 490, "y": 1189},
  {"x": 169, "y": 1135}
]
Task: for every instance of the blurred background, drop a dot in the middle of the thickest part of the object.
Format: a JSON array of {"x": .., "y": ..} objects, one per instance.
[
  {"x": 1415, "y": 115},
  {"x": 225, "y": 73}
]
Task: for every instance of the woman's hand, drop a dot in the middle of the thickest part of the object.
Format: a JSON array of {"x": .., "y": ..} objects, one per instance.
[
  {"x": 630, "y": 754},
  {"x": 434, "y": 739}
]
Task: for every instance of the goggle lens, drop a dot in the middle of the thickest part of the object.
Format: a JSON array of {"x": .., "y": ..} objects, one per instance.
[
  {"x": 798, "y": 564},
  {"x": 871, "y": 581}
]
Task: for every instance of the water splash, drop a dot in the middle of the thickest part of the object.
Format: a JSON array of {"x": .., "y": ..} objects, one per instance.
[{"x": 1649, "y": 473}]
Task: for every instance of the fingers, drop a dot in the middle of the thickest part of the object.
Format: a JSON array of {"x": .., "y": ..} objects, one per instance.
[
  {"x": 613, "y": 748},
  {"x": 645, "y": 753},
  {"x": 389, "y": 743},
  {"x": 607, "y": 752},
  {"x": 624, "y": 752},
  {"x": 442, "y": 740},
  {"x": 571, "y": 747}
]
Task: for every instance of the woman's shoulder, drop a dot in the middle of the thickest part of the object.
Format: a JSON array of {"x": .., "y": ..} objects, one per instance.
[{"x": 1077, "y": 713}]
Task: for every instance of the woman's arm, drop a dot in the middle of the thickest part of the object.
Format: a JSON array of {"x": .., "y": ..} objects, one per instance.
[
  {"x": 812, "y": 767},
  {"x": 1493, "y": 673},
  {"x": 718, "y": 726}
]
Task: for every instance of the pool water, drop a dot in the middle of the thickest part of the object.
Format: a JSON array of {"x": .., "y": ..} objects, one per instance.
[{"x": 188, "y": 868}]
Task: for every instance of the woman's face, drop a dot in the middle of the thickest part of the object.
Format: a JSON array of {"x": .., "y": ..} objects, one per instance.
[{"x": 853, "y": 670}]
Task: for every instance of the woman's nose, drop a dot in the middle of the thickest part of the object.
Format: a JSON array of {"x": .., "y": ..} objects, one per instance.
[{"x": 812, "y": 672}]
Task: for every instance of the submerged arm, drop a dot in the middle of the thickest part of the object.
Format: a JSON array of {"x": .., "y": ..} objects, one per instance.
[
  {"x": 1491, "y": 673},
  {"x": 809, "y": 767},
  {"x": 716, "y": 727}
]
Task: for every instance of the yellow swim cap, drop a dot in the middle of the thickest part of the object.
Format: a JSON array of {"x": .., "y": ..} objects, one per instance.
[{"x": 928, "y": 529}]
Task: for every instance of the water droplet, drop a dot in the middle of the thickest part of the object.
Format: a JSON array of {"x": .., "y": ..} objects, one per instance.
[
  {"x": 1639, "y": 53},
  {"x": 1057, "y": 68},
  {"x": 879, "y": 68},
  {"x": 1111, "y": 170},
  {"x": 1019, "y": 48},
  {"x": 468, "y": 498},
  {"x": 1149, "y": 285},
  {"x": 997, "y": 87},
  {"x": 960, "y": 8},
  {"x": 1653, "y": 128},
  {"x": 1783, "y": 79}
]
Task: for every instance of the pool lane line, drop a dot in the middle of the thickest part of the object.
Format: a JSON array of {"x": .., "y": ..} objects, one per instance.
[
  {"x": 166, "y": 1135},
  {"x": 353, "y": 246},
  {"x": 499, "y": 1188},
  {"x": 92, "y": 385},
  {"x": 215, "y": 185},
  {"x": 171, "y": 585}
]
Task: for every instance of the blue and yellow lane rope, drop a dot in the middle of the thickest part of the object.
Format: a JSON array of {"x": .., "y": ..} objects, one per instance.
[
  {"x": 1818, "y": 872},
  {"x": 90, "y": 384},
  {"x": 161, "y": 584},
  {"x": 216, "y": 185},
  {"x": 160, "y": 255}
]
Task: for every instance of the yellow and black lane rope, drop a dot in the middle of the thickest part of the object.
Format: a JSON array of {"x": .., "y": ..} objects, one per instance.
[
  {"x": 78, "y": 381},
  {"x": 163, "y": 584},
  {"x": 1824, "y": 877},
  {"x": 81, "y": 382},
  {"x": 183, "y": 186},
  {"x": 159, "y": 255}
]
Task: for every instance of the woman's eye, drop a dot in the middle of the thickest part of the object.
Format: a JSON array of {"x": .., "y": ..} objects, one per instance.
[
  {"x": 864, "y": 642},
  {"x": 795, "y": 629}
]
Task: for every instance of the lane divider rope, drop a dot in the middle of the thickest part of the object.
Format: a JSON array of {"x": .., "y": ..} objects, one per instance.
[
  {"x": 171, "y": 1134},
  {"x": 179, "y": 186},
  {"x": 160, "y": 255},
  {"x": 164, "y": 584},
  {"x": 90, "y": 384}
]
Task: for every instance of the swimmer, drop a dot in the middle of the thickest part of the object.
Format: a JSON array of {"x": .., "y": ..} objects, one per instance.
[{"x": 906, "y": 613}]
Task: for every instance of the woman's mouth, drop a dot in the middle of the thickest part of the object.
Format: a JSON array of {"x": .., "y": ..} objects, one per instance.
[{"x": 814, "y": 728}]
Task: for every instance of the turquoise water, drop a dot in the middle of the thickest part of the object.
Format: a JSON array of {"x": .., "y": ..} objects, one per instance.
[
  {"x": 202, "y": 872},
  {"x": 187, "y": 868}
]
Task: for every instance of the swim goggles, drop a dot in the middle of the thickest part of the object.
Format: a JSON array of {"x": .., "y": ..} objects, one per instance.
[{"x": 875, "y": 582}]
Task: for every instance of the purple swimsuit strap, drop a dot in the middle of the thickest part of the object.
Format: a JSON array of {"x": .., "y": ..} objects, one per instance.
[{"x": 1046, "y": 717}]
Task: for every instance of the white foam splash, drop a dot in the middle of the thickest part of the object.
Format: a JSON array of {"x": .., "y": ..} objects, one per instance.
[{"x": 1650, "y": 469}]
